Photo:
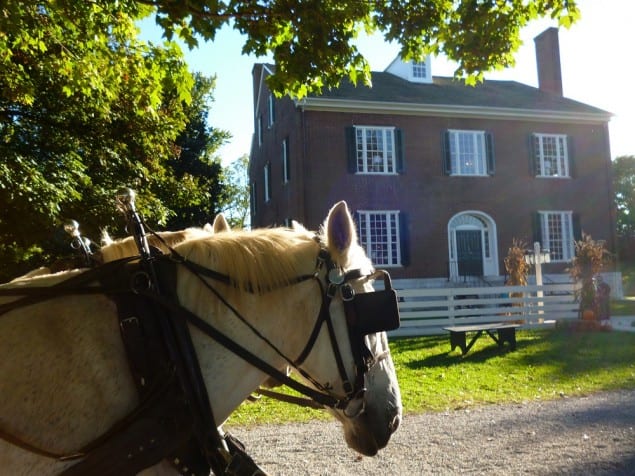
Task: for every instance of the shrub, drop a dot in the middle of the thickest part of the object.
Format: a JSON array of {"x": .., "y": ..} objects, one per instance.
[
  {"x": 515, "y": 265},
  {"x": 590, "y": 257}
]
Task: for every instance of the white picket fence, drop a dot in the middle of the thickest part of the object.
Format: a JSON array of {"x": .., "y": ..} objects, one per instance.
[{"x": 427, "y": 311}]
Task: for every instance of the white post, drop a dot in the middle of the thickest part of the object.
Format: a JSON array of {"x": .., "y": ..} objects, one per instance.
[{"x": 538, "y": 265}]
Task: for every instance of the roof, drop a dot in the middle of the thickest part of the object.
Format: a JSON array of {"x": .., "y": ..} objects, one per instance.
[{"x": 447, "y": 96}]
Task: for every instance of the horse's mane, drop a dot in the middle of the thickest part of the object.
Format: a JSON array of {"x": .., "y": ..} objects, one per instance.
[
  {"x": 257, "y": 260},
  {"x": 112, "y": 250}
]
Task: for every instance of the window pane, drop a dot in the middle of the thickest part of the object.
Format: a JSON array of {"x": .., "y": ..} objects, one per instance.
[
  {"x": 267, "y": 173},
  {"x": 551, "y": 155},
  {"x": 557, "y": 231},
  {"x": 286, "y": 175},
  {"x": 467, "y": 152},
  {"x": 379, "y": 235},
  {"x": 418, "y": 69},
  {"x": 375, "y": 150}
]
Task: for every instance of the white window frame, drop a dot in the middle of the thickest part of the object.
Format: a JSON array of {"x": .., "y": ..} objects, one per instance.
[
  {"x": 384, "y": 162},
  {"x": 387, "y": 252},
  {"x": 259, "y": 130},
  {"x": 560, "y": 156},
  {"x": 419, "y": 70},
  {"x": 286, "y": 177},
  {"x": 466, "y": 161},
  {"x": 270, "y": 111},
  {"x": 267, "y": 176},
  {"x": 556, "y": 228}
]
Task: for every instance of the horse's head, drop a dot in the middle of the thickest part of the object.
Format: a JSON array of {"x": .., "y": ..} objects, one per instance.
[
  {"x": 359, "y": 315},
  {"x": 267, "y": 302}
]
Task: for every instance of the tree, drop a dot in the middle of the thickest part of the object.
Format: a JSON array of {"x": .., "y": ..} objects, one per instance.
[
  {"x": 196, "y": 163},
  {"x": 311, "y": 41},
  {"x": 235, "y": 203},
  {"x": 624, "y": 189},
  {"x": 86, "y": 108}
]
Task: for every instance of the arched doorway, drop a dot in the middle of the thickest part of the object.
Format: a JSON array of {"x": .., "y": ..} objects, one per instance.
[{"x": 472, "y": 244}]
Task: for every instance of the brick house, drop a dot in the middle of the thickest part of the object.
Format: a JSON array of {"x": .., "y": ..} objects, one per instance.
[{"x": 441, "y": 176}]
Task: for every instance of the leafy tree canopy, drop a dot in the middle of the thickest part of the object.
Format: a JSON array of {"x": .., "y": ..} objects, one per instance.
[
  {"x": 86, "y": 108},
  {"x": 235, "y": 194},
  {"x": 624, "y": 189},
  {"x": 312, "y": 41}
]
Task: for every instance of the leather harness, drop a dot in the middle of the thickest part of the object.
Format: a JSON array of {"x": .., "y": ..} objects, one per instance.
[{"x": 174, "y": 419}]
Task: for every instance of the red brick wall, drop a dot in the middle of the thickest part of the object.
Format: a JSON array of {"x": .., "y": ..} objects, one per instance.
[{"x": 319, "y": 178}]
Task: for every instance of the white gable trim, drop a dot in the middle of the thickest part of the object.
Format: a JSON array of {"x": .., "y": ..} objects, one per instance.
[
  {"x": 448, "y": 110},
  {"x": 264, "y": 72},
  {"x": 404, "y": 70}
]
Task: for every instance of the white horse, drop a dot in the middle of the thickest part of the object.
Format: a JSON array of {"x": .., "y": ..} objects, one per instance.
[{"x": 65, "y": 376}]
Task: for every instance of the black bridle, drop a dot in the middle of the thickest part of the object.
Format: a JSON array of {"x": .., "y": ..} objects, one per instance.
[{"x": 366, "y": 313}]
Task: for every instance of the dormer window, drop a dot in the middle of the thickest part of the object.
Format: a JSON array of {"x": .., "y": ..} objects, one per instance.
[
  {"x": 419, "y": 70},
  {"x": 413, "y": 71}
]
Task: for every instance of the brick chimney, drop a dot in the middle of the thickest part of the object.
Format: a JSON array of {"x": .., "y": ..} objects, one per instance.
[{"x": 548, "y": 61}]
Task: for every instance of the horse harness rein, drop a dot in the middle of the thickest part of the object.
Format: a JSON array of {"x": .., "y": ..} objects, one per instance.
[{"x": 153, "y": 324}]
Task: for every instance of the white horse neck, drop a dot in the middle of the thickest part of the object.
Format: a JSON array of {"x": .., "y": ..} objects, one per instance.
[{"x": 285, "y": 318}]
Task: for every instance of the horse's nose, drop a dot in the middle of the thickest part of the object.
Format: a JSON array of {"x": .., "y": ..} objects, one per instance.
[{"x": 394, "y": 424}]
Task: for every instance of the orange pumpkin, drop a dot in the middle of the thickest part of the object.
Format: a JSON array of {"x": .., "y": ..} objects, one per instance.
[{"x": 588, "y": 315}]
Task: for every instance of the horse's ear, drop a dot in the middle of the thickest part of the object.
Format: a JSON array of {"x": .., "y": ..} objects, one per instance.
[
  {"x": 105, "y": 238},
  {"x": 340, "y": 229},
  {"x": 296, "y": 226},
  {"x": 220, "y": 224}
]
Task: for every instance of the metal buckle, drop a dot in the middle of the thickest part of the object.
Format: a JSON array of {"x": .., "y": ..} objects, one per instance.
[
  {"x": 336, "y": 276},
  {"x": 331, "y": 290},
  {"x": 356, "y": 405},
  {"x": 140, "y": 281},
  {"x": 129, "y": 320},
  {"x": 347, "y": 292}
]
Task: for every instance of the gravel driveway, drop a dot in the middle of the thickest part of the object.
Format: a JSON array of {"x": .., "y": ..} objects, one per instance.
[{"x": 593, "y": 435}]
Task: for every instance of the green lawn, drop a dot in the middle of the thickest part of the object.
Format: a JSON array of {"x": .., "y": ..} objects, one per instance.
[
  {"x": 628, "y": 278},
  {"x": 547, "y": 364},
  {"x": 622, "y": 307},
  {"x": 625, "y": 307}
]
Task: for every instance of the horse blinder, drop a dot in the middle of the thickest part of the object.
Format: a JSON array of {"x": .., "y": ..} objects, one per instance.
[{"x": 375, "y": 311}]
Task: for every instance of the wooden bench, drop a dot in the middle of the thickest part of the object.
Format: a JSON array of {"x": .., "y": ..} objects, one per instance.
[{"x": 500, "y": 332}]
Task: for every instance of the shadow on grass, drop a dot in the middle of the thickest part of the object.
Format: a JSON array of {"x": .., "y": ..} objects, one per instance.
[
  {"x": 484, "y": 350},
  {"x": 455, "y": 357},
  {"x": 406, "y": 344},
  {"x": 567, "y": 352}
]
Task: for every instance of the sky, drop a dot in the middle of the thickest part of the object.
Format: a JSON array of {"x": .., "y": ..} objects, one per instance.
[{"x": 595, "y": 55}]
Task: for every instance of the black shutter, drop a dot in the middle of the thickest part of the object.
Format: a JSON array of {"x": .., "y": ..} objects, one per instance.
[
  {"x": 447, "y": 163},
  {"x": 533, "y": 150},
  {"x": 399, "y": 151},
  {"x": 577, "y": 229},
  {"x": 404, "y": 235},
  {"x": 254, "y": 200},
  {"x": 489, "y": 153},
  {"x": 351, "y": 146}
]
